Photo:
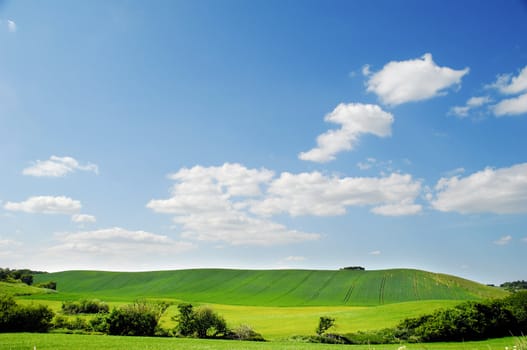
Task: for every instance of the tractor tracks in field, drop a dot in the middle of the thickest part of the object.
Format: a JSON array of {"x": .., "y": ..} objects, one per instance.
[
  {"x": 351, "y": 288},
  {"x": 381, "y": 290},
  {"x": 324, "y": 285},
  {"x": 297, "y": 285}
]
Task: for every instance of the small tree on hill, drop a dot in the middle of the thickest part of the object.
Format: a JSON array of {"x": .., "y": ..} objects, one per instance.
[{"x": 324, "y": 324}]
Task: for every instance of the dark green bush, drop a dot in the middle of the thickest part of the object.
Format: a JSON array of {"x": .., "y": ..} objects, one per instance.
[
  {"x": 85, "y": 306},
  {"x": 48, "y": 285},
  {"x": 202, "y": 322},
  {"x": 138, "y": 319},
  {"x": 18, "y": 318}
]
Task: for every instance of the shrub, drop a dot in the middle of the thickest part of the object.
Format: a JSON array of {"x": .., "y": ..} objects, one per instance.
[
  {"x": 138, "y": 319},
  {"x": 244, "y": 332},
  {"x": 201, "y": 323},
  {"x": 48, "y": 285},
  {"x": 85, "y": 306},
  {"x": 18, "y": 318}
]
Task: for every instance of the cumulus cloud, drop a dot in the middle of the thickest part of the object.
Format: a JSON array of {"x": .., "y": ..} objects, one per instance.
[
  {"x": 321, "y": 195},
  {"x": 210, "y": 204},
  {"x": 45, "y": 205},
  {"x": 499, "y": 191},
  {"x": 355, "y": 119},
  {"x": 509, "y": 84},
  {"x": 472, "y": 103},
  {"x": 233, "y": 204},
  {"x": 58, "y": 167},
  {"x": 117, "y": 242},
  {"x": 503, "y": 240},
  {"x": 83, "y": 218},
  {"x": 413, "y": 80},
  {"x": 511, "y": 106}
]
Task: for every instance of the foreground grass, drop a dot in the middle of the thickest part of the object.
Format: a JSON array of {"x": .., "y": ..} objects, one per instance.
[{"x": 31, "y": 341}]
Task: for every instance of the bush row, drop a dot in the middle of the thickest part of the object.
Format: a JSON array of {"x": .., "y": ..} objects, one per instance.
[
  {"x": 467, "y": 321},
  {"x": 85, "y": 306}
]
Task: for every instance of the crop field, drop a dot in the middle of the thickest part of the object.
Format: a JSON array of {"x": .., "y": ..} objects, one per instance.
[
  {"x": 31, "y": 341},
  {"x": 270, "y": 287}
]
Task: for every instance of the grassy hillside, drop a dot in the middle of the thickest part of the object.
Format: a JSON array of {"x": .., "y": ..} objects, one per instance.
[
  {"x": 272, "y": 287},
  {"x": 21, "y": 289}
]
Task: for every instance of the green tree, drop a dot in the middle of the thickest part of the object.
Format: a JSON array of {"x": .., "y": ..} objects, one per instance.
[
  {"x": 324, "y": 324},
  {"x": 202, "y": 322},
  {"x": 185, "y": 320}
]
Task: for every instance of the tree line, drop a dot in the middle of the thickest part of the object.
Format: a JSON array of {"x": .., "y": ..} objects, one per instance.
[
  {"x": 140, "y": 318},
  {"x": 24, "y": 276}
]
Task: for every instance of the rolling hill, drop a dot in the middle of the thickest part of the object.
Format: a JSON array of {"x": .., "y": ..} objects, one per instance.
[{"x": 272, "y": 287}]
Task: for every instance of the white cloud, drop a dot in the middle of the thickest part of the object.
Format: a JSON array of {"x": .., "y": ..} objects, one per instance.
[
  {"x": 45, "y": 205},
  {"x": 57, "y": 167},
  {"x": 210, "y": 204},
  {"x": 295, "y": 258},
  {"x": 366, "y": 70},
  {"x": 507, "y": 84},
  {"x": 511, "y": 106},
  {"x": 368, "y": 164},
  {"x": 500, "y": 191},
  {"x": 398, "y": 209},
  {"x": 413, "y": 80},
  {"x": 472, "y": 103},
  {"x": 478, "y": 101},
  {"x": 460, "y": 111},
  {"x": 375, "y": 252},
  {"x": 11, "y": 26},
  {"x": 320, "y": 195},
  {"x": 83, "y": 218},
  {"x": 232, "y": 204},
  {"x": 355, "y": 119},
  {"x": 504, "y": 240},
  {"x": 117, "y": 242}
]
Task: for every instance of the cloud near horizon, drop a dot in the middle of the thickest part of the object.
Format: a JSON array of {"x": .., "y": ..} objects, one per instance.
[
  {"x": 356, "y": 119},
  {"x": 412, "y": 80},
  {"x": 113, "y": 246},
  {"x": 225, "y": 204},
  {"x": 498, "y": 191}
]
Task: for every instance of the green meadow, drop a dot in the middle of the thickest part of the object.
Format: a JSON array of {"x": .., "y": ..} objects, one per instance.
[
  {"x": 278, "y": 304},
  {"x": 30, "y": 341},
  {"x": 270, "y": 287}
]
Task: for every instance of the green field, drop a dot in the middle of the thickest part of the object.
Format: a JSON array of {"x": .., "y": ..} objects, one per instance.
[
  {"x": 270, "y": 287},
  {"x": 25, "y": 341}
]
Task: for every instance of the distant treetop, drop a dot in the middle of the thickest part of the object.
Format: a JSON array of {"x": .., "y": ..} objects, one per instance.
[{"x": 359, "y": 268}]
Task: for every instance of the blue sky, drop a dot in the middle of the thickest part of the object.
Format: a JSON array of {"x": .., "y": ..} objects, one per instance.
[{"x": 264, "y": 134}]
